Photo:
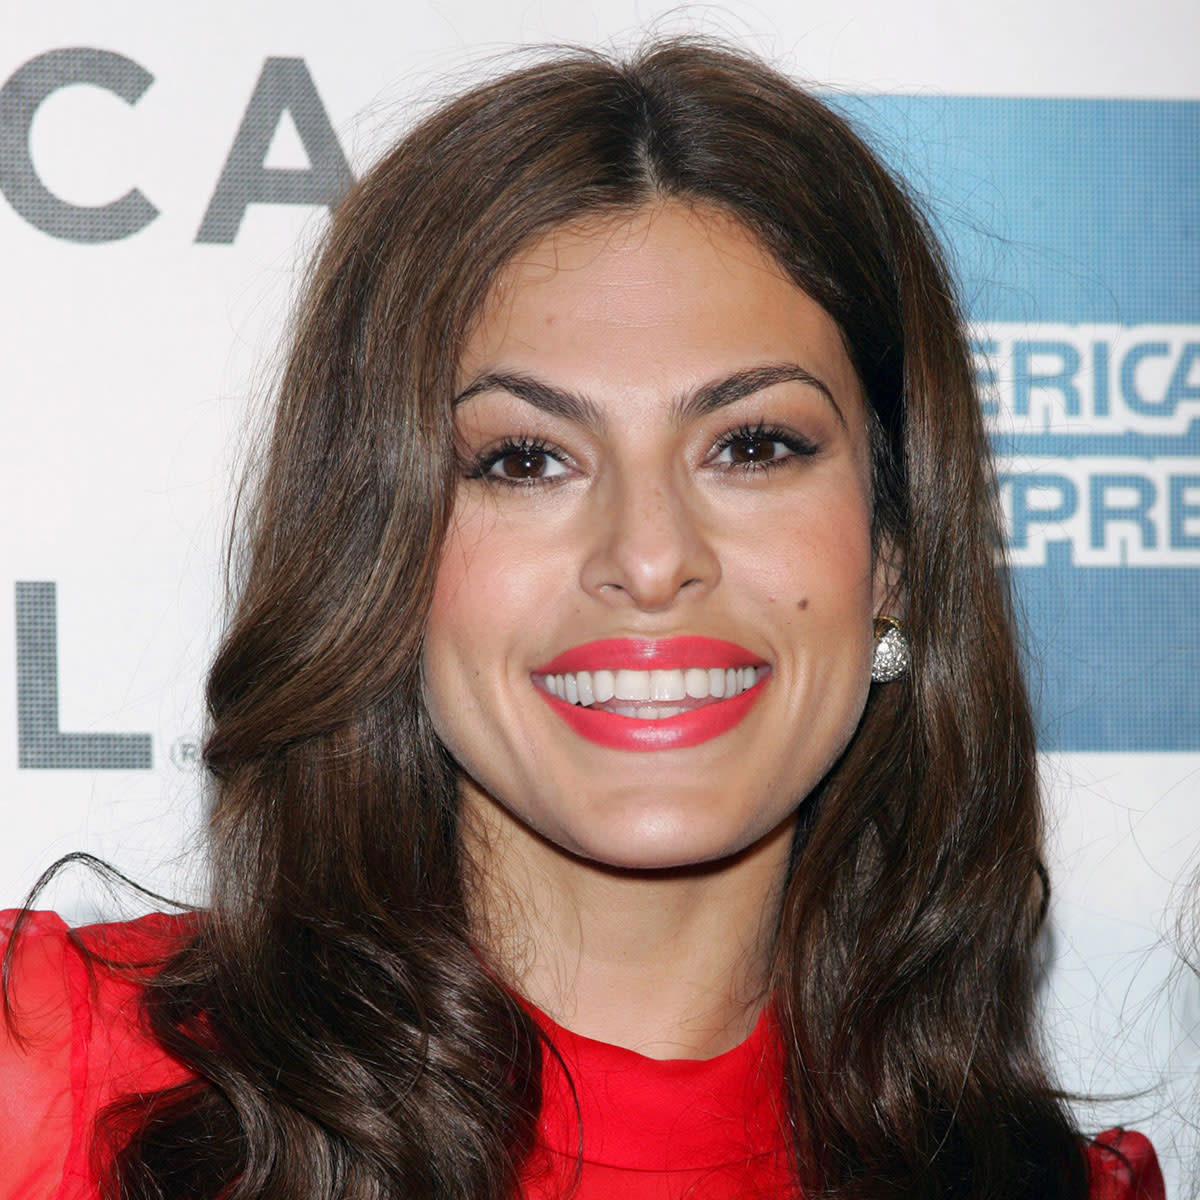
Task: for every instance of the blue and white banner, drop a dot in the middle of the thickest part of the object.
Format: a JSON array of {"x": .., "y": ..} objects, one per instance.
[{"x": 1075, "y": 228}]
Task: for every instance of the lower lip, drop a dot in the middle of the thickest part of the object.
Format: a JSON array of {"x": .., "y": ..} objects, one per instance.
[{"x": 672, "y": 733}]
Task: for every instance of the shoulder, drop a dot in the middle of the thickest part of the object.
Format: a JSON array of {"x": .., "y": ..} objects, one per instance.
[
  {"x": 1122, "y": 1166},
  {"x": 72, "y": 1039}
]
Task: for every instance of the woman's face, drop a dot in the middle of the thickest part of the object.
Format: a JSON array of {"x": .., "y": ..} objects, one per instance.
[{"x": 651, "y": 631}]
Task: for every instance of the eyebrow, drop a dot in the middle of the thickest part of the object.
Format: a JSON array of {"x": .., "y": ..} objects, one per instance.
[
  {"x": 545, "y": 396},
  {"x": 707, "y": 398},
  {"x": 711, "y": 396}
]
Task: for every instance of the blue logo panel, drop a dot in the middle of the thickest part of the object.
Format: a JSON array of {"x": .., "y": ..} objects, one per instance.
[{"x": 1074, "y": 228}]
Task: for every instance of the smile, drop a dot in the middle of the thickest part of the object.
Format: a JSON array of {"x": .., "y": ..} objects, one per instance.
[{"x": 652, "y": 695}]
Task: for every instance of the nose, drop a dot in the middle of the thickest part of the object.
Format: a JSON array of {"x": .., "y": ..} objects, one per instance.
[{"x": 647, "y": 545}]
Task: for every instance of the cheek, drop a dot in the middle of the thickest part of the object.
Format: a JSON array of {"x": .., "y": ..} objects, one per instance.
[
  {"x": 489, "y": 582},
  {"x": 810, "y": 561},
  {"x": 455, "y": 636},
  {"x": 492, "y": 576}
]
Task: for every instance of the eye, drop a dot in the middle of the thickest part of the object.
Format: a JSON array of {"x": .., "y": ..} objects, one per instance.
[
  {"x": 520, "y": 462},
  {"x": 755, "y": 447}
]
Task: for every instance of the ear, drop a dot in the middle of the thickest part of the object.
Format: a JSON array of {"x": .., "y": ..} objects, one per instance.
[{"x": 887, "y": 586}]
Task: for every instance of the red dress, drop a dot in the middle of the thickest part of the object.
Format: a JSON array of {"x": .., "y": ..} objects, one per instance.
[{"x": 651, "y": 1130}]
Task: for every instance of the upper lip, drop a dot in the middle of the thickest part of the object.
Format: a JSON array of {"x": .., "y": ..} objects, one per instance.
[{"x": 650, "y": 654}]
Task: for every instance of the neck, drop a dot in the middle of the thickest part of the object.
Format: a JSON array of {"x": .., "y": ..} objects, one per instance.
[{"x": 670, "y": 963}]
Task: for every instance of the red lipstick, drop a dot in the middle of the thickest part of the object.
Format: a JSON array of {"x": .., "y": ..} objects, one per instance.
[
  {"x": 672, "y": 733},
  {"x": 645, "y": 654},
  {"x": 680, "y": 732}
]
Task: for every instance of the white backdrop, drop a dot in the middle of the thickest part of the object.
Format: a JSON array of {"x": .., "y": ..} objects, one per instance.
[{"x": 130, "y": 366}]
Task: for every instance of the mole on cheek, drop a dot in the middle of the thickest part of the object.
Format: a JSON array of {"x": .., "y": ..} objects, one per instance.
[{"x": 802, "y": 603}]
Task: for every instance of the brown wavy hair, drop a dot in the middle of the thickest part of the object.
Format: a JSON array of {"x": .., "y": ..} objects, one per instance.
[{"x": 348, "y": 1035}]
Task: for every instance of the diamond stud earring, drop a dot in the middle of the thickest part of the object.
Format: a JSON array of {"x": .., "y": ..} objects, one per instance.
[{"x": 892, "y": 656}]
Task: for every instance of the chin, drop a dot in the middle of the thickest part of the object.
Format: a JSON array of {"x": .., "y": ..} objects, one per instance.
[{"x": 668, "y": 842}]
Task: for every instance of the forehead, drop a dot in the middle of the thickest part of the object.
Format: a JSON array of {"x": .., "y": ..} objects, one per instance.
[{"x": 666, "y": 297}]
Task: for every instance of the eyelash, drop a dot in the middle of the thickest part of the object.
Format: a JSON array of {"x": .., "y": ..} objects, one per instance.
[
  {"x": 797, "y": 446},
  {"x": 481, "y": 468}
]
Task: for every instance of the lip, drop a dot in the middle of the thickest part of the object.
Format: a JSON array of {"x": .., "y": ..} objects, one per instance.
[
  {"x": 672, "y": 733},
  {"x": 680, "y": 732},
  {"x": 651, "y": 654}
]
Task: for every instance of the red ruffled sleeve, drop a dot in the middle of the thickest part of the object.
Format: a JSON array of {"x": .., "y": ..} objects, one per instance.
[
  {"x": 1122, "y": 1166},
  {"x": 76, "y": 1042}
]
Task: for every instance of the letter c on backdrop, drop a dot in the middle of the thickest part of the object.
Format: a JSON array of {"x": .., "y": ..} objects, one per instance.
[{"x": 20, "y": 98}]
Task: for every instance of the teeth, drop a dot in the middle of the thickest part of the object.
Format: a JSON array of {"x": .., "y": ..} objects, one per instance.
[
  {"x": 633, "y": 685},
  {"x": 604, "y": 685},
  {"x": 666, "y": 685},
  {"x": 658, "y": 691}
]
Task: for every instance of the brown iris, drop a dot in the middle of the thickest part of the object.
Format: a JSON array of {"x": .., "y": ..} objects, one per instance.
[
  {"x": 752, "y": 449},
  {"x": 524, "y": 464}
]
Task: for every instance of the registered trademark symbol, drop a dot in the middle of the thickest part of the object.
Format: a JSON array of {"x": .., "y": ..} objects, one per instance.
[{"x": 185, "y": 754}]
